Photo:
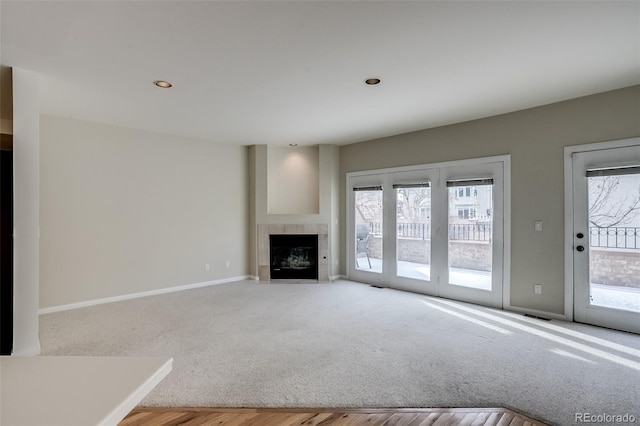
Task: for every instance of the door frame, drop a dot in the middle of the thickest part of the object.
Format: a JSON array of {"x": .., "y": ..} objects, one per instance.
[
  {"x": 569, "y": 290},
  {"x": 369, "y": 178},
  {"x": 506, "y": 174},
  {"x": 495, "y": 170},
  {"x": 432, "y": 175}
]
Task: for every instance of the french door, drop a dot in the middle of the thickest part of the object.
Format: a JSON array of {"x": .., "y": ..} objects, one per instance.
[
  {"x": 436, "y": 229},
  {"x": 606, "y": 236}
]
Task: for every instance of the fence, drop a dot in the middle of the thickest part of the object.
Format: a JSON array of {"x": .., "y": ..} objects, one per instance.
[
  {"x": 457, "y": 231},
  {"x": 470, "y": 232},
  {"x": 414, "y": 230},
  {"x": 615, "y": 237}
]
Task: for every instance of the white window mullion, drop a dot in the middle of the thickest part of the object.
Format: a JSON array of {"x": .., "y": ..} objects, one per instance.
[{"x": 389, "y": 247}]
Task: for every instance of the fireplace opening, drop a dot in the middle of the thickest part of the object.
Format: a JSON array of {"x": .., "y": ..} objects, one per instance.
[{"x": 294, "y": 256}]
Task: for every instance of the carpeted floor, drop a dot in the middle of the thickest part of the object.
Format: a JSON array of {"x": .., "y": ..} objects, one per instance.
[{"x": 351, "y": 345}]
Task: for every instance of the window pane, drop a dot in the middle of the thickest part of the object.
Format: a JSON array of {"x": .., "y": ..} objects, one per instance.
[
  {"x": 368, "y": 220},
  {"x": 470, "y": 236},
  {"x": 413, "y": 234},
  {"x": 614, "y": 241}
]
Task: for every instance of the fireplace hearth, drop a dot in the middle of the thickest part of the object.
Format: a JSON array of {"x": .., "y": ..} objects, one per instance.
[{"x": 294, "y": 256}]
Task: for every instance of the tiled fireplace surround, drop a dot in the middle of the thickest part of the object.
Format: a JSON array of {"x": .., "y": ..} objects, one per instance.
[{"x": 264, "y": 255}]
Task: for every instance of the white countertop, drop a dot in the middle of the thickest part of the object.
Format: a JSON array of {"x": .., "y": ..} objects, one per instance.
[{"x": 70, "y": 391}]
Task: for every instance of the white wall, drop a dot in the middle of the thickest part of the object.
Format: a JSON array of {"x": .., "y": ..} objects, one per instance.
[
  {"x": 126, "y": 211},
  {"x": 535, "y": 138},
  {"x": 330, "y": 197},
  {"x": 292, "y": 180},
  {"x": 26, "y": 209}
]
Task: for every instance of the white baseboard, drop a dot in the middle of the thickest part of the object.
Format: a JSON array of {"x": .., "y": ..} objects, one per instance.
[
  {"x": 70, "y": 306},
  {"x": 337, "y": 277}
]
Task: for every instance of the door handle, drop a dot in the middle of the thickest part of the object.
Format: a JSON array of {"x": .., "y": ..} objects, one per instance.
[{"x": 580, "y": 248}]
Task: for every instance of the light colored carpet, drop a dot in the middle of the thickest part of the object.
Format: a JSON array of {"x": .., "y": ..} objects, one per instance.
[{"x": 350, "y": 345}]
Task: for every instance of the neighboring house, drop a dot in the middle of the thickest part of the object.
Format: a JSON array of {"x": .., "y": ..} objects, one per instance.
[{"x": 470, "y": 202}]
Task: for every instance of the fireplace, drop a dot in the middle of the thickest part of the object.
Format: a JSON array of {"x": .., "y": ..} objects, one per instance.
[
  {"x": 294, "y": 256},
  {"x": 264, "y": 231}
]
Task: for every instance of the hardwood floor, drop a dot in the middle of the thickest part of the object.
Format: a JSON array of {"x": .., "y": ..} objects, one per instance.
[{"x": 142, "y": 416}]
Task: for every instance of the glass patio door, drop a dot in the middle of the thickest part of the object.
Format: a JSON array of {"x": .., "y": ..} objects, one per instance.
[
  {"x": 367, "y": 218},
  {"x": 433, "y": 229},
  {"x": 414, "y": 230},
  {"x": 470, "y": 236},
  {"x": 475, "y": 233},
  {"x": 606, "y": 237}
]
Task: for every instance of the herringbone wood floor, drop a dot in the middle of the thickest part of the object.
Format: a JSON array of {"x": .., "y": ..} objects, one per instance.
[{"x": 311, "y": 417}]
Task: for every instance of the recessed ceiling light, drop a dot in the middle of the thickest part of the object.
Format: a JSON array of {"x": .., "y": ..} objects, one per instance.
[
  {"x": 163, "y": 84},
  {"x": 293, "y": 144},
  {"x": 372, "y": 81}
]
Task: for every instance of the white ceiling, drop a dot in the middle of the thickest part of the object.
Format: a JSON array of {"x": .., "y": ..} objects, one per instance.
[{"x": 269, "y": 72}]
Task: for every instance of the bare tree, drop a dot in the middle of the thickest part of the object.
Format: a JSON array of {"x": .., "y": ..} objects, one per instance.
[
  {"x": 368, "y": 206},
  {"x": 609, "y": 205},
  {"x": 411, "y": 204}
]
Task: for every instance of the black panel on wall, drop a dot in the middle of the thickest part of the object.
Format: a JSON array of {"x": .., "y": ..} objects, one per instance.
[{"x": 6, "y": 252}]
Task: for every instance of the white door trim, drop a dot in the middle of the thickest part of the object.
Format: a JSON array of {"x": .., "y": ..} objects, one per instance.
[{"x": 568, "y": 211}]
